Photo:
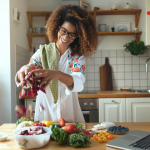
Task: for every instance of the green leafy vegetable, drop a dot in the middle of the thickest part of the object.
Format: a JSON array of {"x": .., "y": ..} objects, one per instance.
[
  {"x": 60, "y": 135},
  {"x": 79, "y": 126},
  {"x": 79, "y": 140}
]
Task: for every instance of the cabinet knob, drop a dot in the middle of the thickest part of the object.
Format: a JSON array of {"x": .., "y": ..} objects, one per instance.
[
  {"x": 92, "y": 104},
  {"x": 85, "y": 104},
  {"x": 112, "y": 101}
]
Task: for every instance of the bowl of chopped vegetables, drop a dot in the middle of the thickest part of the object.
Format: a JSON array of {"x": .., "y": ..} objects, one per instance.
[{"x": 32, "y": 137}]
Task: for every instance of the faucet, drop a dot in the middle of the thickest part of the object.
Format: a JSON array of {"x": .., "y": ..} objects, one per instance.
[{"x": 147, "y": 64}]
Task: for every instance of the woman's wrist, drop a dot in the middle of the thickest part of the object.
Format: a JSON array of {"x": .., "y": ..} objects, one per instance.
[{"x": 59, "y": 73}]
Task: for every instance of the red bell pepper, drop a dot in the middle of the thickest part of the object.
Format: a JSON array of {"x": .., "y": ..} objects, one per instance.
[{"x": 39, "y": 124}]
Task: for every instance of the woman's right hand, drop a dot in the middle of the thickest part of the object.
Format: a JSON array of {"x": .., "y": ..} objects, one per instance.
[{"x": 23, "y": 72}]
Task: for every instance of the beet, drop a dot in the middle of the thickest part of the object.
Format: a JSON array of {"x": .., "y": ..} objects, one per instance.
[
  {"x": 25, "y": 132},
  {"x": 22, "y": 94},
  {"x": 34, "y": 83},
  {"x": 21, "y": 111}
]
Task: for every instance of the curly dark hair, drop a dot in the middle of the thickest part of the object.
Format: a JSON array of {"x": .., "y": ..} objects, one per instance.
[{"x": 84, "y": 23}]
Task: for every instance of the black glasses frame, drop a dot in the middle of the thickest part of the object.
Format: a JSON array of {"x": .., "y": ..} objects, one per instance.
[{"x": 69, "y": 33}]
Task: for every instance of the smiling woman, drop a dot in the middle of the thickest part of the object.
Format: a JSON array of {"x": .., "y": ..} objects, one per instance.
[
  {"x": 61, "y": 64},
  {"x": 83, "y": 22}
]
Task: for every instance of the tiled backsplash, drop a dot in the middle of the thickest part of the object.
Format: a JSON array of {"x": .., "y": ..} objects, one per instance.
[{"x": 127, "y": 70}]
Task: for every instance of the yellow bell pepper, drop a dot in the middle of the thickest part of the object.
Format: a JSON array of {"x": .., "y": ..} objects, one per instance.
[{"x": 47, "y": 123}]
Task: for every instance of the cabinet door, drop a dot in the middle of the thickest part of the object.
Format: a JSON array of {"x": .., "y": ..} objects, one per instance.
[
  {"x": 112, "y": 110},
  {"x": 138, "y": 109}
]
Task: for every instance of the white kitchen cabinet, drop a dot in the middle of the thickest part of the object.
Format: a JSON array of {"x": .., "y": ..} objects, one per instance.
[
  {"x": 138, "y": 109},
  {"x": 112, "y": 110}
]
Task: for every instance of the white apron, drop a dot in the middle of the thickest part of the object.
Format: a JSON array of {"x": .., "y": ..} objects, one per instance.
[{"x": 67, "y": 106}]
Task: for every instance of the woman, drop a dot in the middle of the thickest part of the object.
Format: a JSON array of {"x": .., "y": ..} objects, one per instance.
[{"x": 72, "y": 33}]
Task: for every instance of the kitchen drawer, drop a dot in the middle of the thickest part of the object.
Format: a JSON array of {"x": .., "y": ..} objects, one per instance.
[{"x": 30, "y": 101}]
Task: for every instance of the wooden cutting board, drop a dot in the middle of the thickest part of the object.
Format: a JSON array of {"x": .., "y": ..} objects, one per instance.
[{"x": 106, "y": 76}]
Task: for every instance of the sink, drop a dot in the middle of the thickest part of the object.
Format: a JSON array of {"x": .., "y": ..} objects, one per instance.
[{"x": 140, "y": 91}]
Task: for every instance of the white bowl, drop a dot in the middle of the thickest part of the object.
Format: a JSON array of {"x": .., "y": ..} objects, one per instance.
[
  {"x": 3, "y": 137},
  {"x": 31, "y": 141}
]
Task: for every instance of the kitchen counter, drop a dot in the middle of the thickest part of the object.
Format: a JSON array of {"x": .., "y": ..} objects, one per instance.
[
  {"x": 109, "y": 94},
  {"x": 114, "y": 94},
  {"x": 10, "y": 144}
]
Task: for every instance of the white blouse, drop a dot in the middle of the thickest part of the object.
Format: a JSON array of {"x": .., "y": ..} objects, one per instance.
[{"x": 67, "y": 106}]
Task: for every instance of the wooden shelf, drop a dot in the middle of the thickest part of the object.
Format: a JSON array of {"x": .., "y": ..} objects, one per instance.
[
  {"x": 38, "y": 13},
  {"x": 138, "y": 34},
  {"x": 116, "y": 12},
  {"x": 119, "y": 33},
  {"x": 30, "y": 35},
  {"x": 94, "y": 13},
  {"x": 31, "y": 14}
]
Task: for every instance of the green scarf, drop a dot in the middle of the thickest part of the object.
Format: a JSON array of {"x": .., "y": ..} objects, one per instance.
[{"x": 49, "y": 58}]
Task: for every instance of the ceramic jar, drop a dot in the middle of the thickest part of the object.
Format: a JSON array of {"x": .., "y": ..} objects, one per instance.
[
  {"x": 102, "y": 27},
  {"x": 127, "y": 6},
  {"x": 114, "y": 7}
]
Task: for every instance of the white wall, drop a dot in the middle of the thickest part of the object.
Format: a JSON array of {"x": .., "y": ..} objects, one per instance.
[
  {"x": 142, "y": 20},
  {"x": 18, "y": 37},
  {"x": 106, "y": 42},
  {"x": 147, "y": 22},
  {"x": 42, "y": 5},
  {"x": 22, "y": 58},
  {"x": 5, "y": 72},
  {"x": 113, "y": 42}
]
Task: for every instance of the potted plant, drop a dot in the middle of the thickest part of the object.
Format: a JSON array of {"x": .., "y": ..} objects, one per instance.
[{"x": 136, "y": 48}]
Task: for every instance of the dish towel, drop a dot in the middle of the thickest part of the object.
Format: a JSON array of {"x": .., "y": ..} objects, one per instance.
[{"x": 49, "y": 58}]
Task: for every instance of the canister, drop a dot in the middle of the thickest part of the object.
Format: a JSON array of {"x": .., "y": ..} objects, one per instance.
[{"x": 102, "y": 27}]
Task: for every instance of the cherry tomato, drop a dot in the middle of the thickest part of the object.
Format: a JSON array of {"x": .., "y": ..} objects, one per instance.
[
  {"x": 61, "y": 122},
  {"x": 101, "y": 132},
  {"x": 110, "y": 136},
  {"x": 107, "y": 133},
  {"x": 94, "y": 136},
  {"x": 39, "y": 124},
  {"x": 100, "y": 140},
  {"x": 104, "y": 135},
  {"x": 104, "y": 140}
]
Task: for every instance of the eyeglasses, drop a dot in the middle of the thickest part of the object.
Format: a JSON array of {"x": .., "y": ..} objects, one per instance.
[{"x": 63, "y": 31}]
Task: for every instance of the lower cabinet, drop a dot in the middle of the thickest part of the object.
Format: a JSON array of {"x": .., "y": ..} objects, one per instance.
[
  {"x": 138, "y": 109},
  {"x": 124, "y": 109},
  {"x": 112, "y": 110}
]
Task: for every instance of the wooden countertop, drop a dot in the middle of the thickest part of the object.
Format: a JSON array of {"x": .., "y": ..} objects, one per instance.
[
  {"x": 10, "y": 144},
  {"x": 114, "y": 94},
  {"x": 110, "y": 94}
]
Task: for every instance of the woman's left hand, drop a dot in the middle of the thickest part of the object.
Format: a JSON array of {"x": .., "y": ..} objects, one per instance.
[{"x": 49, "y": 75}]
